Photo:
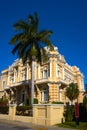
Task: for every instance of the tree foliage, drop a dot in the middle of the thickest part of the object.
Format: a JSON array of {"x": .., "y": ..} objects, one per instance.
[
  {"x": 29, "y": 41},
  {"x": 72, "y": 92},
  {"x": 85, "y": 96}
]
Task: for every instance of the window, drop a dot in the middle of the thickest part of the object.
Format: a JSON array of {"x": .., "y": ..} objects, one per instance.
[
  {"x": 58, "y": 72},
  {"x": 24, "y": 76},
  {"x": 44, "y": 95},
  {"x": 12, "y": 79},
  {"x": 23, "y": 96},
  {"x": 45, "y": 74},
  {"x": 4, "y": 84}
]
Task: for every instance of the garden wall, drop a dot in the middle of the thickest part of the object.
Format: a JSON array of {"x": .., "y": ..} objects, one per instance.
[{"x": 43, "y": 114}]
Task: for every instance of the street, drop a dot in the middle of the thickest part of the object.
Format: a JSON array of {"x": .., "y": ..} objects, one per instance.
[
  {"x": 6, "y": 126},
  {"x": 16, "y": 125}
]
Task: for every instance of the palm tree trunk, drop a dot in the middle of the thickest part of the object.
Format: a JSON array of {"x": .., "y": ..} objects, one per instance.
[{"x": 32, "y": 83}]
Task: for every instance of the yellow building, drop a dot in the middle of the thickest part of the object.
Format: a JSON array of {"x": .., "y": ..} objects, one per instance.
[{"x": 51, "y": 78}]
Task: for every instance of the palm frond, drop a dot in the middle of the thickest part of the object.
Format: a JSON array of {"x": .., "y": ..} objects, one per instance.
[
  {"x": 33, "y": 21},
  {"x": 32, "y": 41},
  {"x": 48, "y": 43},
  {"x": 16, "y": 48},
  {"x": 45, "y": 33},
  {"x": 21, "y": 25},
  {"x": 25, "y": 47},
  {"x": 16, "y": 38}
]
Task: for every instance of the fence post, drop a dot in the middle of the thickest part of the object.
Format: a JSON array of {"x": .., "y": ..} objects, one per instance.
[
  {"x": 12, "y": 111},
  {"x": 35, "y": 112}
]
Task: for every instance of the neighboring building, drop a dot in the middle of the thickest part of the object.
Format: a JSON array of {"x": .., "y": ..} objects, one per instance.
[{"x": 52, "y": 77}]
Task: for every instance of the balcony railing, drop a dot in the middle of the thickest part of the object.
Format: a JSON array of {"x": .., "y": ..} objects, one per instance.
[
  {"x": 63, "y": 81},
  {"x": 17, "y": 84},
  {"x": 38, "y": 81},
  {"x": 43, "y": 80}
]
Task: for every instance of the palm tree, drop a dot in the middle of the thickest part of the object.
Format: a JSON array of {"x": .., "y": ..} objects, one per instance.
[
  {"x": 72, "y": 92},
  {"x": 29, "y": 43}
]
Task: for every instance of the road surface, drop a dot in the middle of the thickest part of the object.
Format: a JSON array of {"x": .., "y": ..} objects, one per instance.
[{"x": 6, "y": 126}]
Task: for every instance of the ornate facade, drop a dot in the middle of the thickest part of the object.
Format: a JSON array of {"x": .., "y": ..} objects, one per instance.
[{"x": 51, "y": 78}]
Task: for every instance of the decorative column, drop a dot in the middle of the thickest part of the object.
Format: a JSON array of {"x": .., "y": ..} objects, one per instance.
[
  {"x": 60, "y": 92},
  {"x": 63, "y": 73},
  {"x": 27, "y": 70},
  {"x": 14, "y": 75},
  {"x": 50, "y": 68},
  {"x": 38, "y": 71},
  {"x": 8, "y": 79},
  {"x": 18, "y": 74}
]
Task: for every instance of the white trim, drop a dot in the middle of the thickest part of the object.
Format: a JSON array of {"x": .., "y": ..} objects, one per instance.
[
  {"x": 14, "y": 75},
  {"x": 27, "y": 71},
  {"x": 3, "y": 87},
  {"x": 38, "y": 71},
  {"x": 50, "y": 69},
  {"x": 18, "y": 74},
  {"x": 63, "y": 72},
  {"x": 43, "y": 94}
]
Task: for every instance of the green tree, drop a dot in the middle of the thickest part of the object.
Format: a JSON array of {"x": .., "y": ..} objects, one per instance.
[
  {"x": 85, "y": 101},
  {"x": 85, "y": 92},
  {"x": 85, "y": 97},
  {"x": 29, "y": 43},
  {"x": 72, "y": 92}
]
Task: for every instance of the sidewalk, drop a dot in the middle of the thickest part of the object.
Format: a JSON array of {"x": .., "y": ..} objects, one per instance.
[{"x": 33, "y": 126}]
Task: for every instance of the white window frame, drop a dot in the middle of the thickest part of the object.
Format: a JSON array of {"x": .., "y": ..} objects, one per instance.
[
  {"x": 45, "y": 74},
  {"x": 24, "y": 76},
  {"x": 44, "y": 98},
  {"x": 3, "y": 85},
  {"x": 12, "y": 79}
]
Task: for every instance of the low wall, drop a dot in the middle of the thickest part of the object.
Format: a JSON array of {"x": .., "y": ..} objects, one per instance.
[
  {"x": 4, "y": 117},
  {"x": 24, "y": 119},
  {"x": 48, "y": 114},
  {"x": 43, "y": 114}
]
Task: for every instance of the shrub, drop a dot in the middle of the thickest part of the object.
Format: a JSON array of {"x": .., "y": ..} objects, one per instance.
[
  {"x": 35, "y": 101},
  {"x": 4, "y": 109},
  {"x": 3, "y": 102},
  {"x": 57, "y": 102},
  {"x": 23, "y": 110},
  {"x": 69, "y": 113},
  {"x": 0, "y": 101},
  {"x": 82, "y": 113},
  {"x": 28, "y": 101},
  {"x": 85, "y": 100}
]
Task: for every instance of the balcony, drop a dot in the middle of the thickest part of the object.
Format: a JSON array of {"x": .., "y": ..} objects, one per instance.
[
  {"x": 63, "y": 81},
  {"x": 15, "y": 84},
  {"x": 48, "y": 79},
  {"x": 43, "y": 80}
]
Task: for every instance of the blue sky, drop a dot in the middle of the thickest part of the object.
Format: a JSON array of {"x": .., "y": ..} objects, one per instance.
[{"x": 66, "y": 18}]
